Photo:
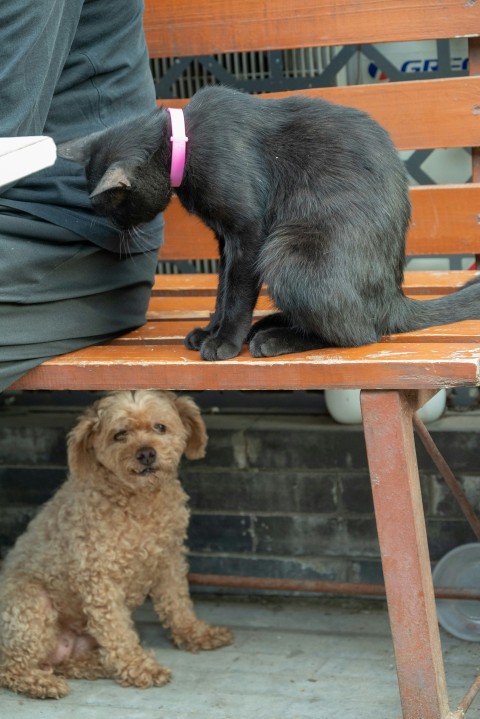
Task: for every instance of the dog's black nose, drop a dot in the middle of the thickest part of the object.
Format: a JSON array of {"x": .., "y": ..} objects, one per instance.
[{"x": 146, "y": 455}]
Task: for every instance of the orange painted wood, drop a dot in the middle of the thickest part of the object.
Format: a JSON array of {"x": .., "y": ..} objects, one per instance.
[
  {"x": 445, "y": 220},
  {"x": 466, "y": 331},
  {"x": 387, "y": 420},
  {"x": 160, "y": 307},
  {"x": 168, "y": 307},
  {"x": 415, "y": 283},
  {"x": 168, "y": 329},
  {"x": 410, "y": 110},
  {"x": 198, "y": 283},
  {"x": 398, "y": 366},
  {"x": 180, "y": 27},
  {"x": 436, "y": 282},
  {"x": 474, "y": 69},
  {"x": 191, "y": 307},
  {"x": 186, "y": 237}
]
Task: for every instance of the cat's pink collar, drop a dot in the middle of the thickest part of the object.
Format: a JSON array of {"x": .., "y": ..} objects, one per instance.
[{"x": 179, "y": 146}]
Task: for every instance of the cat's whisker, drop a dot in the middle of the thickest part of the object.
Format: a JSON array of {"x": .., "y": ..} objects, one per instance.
[
  {"x": 130, "y": 241},
  {"x": 123, "y": 243},
  {"x": 143, "y": 237},
  {"x": 138, "y": 238},
  {"x": 126, "y": 242},
  {"x": 93, "y": 222}
]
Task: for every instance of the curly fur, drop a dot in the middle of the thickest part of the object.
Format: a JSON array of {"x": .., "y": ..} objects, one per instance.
[{"x": 112, "y": 535}]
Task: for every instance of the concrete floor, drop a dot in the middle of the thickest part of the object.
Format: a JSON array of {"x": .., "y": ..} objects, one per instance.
[{"x": 292, "y": 659}]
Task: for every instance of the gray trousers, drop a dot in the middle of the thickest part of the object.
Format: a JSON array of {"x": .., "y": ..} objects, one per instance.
[
  {"x": 59, "y": 292},
  {"x": 69, "y": 68}
]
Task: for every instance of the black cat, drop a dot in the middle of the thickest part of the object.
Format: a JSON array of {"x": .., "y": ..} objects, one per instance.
[{"x": 302, "y": 194}]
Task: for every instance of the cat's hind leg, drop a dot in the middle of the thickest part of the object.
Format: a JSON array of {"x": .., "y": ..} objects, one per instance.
[{"x": 273, "y": 335}]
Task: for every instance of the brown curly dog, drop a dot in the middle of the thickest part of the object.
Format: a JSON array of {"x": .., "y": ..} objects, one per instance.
[{"x": 112, "y": 535}]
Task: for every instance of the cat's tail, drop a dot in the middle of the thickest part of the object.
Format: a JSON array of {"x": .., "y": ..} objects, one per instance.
[{"x": 419, "y": 314}]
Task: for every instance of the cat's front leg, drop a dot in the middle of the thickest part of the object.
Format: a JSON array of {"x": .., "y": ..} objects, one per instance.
[
  {"x": 239, "y": 286},
  {"x": 197, "y": 336},
  {"x": 228, "y": 340}
]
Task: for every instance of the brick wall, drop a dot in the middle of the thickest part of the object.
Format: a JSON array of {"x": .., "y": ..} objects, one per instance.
[{"x": 279, "y": 494}]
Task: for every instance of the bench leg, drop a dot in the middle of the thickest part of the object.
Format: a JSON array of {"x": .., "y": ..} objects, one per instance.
[{"x": 387, "y": 418}]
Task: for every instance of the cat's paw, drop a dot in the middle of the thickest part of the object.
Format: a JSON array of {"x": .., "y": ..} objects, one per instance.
[
  {"x": 195, "y": 338},
  {"x": 270, "y": 343},
  {"x": 276, "y": 341},
  {"x": 215, "y": 348}
]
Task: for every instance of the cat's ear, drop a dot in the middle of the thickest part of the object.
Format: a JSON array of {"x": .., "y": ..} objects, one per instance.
[
  {"x": 115, "y": 178},
  {"x": 78, "y": 150}
]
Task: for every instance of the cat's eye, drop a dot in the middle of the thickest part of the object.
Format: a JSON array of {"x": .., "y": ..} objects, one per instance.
[
  {"x": 160, "y": 428},
  {"x": 120, "y": 436}
]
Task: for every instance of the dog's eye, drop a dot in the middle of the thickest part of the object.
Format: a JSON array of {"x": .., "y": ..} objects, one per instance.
[
  {"x": 160, "y": 428},
  {"x": 120, "y": 436}
]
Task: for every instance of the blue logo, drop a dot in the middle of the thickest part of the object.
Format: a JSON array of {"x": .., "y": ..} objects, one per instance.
[{"x": 457, "y": 64}]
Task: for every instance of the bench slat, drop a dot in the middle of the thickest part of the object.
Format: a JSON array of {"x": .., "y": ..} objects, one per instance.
[
  {"x": 445, "y": 220},
  {"x": 182, "y": 28},
  {"x": 161, "y": 311},
  {"x": 168, "y": 331},
  {"x": 396, "y": 366},
  {"x": 436, "y": 282},
  {"x": 181, "y": 304},
  {"x": 415, "y": 282},
  {"x": 191, "y": 307},
  {"x": 407, "y": 109}
]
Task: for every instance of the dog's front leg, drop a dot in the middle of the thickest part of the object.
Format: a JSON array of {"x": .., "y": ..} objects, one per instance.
[
  {"x": 109, "y": 621},
  {"x": 171, "y": 599}
]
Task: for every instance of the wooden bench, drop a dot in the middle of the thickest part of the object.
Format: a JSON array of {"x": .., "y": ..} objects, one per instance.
[{"x": 397, "y": 375}]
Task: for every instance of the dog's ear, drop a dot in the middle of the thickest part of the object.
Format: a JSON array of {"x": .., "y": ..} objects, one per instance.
[
  {"x": 79, "y": 447},
  {"x": 197, "y": 432}
]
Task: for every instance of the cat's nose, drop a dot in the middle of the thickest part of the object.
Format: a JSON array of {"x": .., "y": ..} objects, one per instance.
[{"x": 146, "y": 455}]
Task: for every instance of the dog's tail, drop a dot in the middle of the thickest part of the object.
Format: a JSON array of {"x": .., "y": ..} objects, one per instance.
[{"x": 413, "y": 314}]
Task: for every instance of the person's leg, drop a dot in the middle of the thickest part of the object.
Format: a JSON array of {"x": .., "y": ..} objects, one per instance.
[
  {"x": 59, "y": 293},
  {"x": 71, "y": 67}
]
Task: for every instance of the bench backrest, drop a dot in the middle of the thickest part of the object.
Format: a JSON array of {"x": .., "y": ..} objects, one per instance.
[{"x": 419, "y": 114}]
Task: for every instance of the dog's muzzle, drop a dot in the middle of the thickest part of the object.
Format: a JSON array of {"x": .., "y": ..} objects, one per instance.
[{"x": 146, "y": 456}]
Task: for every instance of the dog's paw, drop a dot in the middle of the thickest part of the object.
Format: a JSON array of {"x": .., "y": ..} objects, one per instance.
[
  {"x": 38, "y": 684},
  {"x": 195, "y": 338},
  {"x": 145, "y": 674},
  {"x": 216, "y": 348},
  {"x": 52, "y": 688},
  {"x": 159, "y": 676},
  {"x": 203, "y": 637}
]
